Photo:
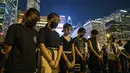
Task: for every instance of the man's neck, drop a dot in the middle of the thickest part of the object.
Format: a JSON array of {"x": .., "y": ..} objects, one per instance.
[
  {"x": 65, "y": 34},
  {"x": 48, "y": 26},
  {"x": 79, "y": 38},
  {"x": 24, "y": 25}
]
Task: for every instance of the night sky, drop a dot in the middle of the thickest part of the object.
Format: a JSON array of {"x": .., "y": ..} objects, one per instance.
[{"x": 80, "y": 10}]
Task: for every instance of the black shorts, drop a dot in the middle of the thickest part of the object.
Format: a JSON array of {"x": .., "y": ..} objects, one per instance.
[{"x": 82, "y": 66}]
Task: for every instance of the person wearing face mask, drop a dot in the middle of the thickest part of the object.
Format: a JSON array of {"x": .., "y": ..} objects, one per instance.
[
  {"x": 68, "y": 55},
  {"x": 94, "y": 51},
  {"x": 124, "y": 56},
  {"x": 80, "y": 49},
  {"x": 113, "y": 60},
  {"x": 21, "y": 43},
  {"x": 51, "y": 45}
]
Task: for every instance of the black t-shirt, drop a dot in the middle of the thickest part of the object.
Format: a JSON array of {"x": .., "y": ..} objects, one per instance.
[
  {"x": 80, "y": 44},
  {"x": 127, "y": 47},
  {"x": 49, "y": 38},
  {"x": 67, "y": 45},
  {"x": 94, "y": 45},
  {"x": 22, "y": 57}
]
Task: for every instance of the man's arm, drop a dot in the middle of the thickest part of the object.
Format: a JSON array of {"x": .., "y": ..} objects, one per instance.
[
  {"x": 10, "y": 38},
  {"x": 45, "y": 52},
  {"x": 65, "y": 58},
  {"x": 73, "y": 53},
  {"x": 86, "y": 49},
  {"x": 91, "y": 48},
  {"x": 123, "y": 53},
  {"x": 7, "y": 49},
  {"x": 99, "y": 48},
  {"x": 60, "y": 52},
  {"x": 78, "y": 52}
]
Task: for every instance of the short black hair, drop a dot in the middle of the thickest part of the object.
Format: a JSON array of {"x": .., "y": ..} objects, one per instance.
[
  {"x": 29, "y": 11},
  {"x": 81, "y": 30},
  {"x": 32, "y": 10},
  {"x": 94, "y": 31},
  {"x": 51, "y": 15},
  {"x": 113, "y": 38},
  {"x": 118, "y": 42},
  {"x": 67, "y": 25}
]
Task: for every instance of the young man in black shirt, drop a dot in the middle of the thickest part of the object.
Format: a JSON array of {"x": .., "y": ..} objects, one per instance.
[
  {"x": 68, "y": 55},
  {"x": 80, "y": 48},
  {"x": 51, "y": 45},
  {"x": 21, "y": 43},
  {"x": 95, "y": 57}
]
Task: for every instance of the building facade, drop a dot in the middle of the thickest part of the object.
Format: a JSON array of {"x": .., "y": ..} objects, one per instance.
[
  {"x": 8, "y": 14},
  {"x": 96, "y": 24},
  {"x": 33, "y": 4},
  {"x": 118, "y": 24}
]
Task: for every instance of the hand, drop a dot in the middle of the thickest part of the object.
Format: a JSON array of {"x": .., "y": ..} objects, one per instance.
[
  {"x": 128, "y": 57},
  {"x": 56, "y": 63},
  {"x": 52, "y": 64},
  {"x": 100, "y": 58},
  {"x": 69, "y": 64},
  {"x": 2, "y": 51},
  {"x": 83, "y": 59},
  {"x": 73, "y": 63}
]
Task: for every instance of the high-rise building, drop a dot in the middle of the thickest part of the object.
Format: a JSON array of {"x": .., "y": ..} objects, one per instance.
[
  {"x": 96, "y": 24},
  {"x": 33, "y": 4},
  {"x": 74, "y": 32},
  {"x": 20, "y": 16},
  {"x": 69, "y": 20},
  {"x": 118, "y": 24},
  {"x": 60, "y": 25},
  {"x": 42, "y": 23},
  {"x": 62, "y": 19},
  {"x": 8, "y": 13}
]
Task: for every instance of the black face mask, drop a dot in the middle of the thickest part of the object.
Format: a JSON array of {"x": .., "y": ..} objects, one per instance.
[
  {"x": 31, "y": 24},
  {"x": 81, "y": 36},
  {"x": 53, "y": 25}
]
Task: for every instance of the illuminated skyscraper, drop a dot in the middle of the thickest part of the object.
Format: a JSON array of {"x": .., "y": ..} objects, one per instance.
[
  {"x": 33, "y": 4},
  {"x": 69, "y": 20},
  {"x": 8, "y": 13},
  {"x": 60, "y": 25},
  {"x": 42, "y": 23},
  {"x": 62, "y": 19}
]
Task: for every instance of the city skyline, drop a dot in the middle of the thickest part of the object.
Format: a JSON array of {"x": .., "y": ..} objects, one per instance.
[{"x": 80, "y": 11}]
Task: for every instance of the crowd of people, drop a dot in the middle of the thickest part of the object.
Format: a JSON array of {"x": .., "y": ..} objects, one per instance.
[{"x": 27, "y": 51}]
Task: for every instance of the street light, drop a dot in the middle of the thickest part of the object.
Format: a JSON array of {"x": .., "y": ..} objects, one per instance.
[{"x": 108, "y": 35}]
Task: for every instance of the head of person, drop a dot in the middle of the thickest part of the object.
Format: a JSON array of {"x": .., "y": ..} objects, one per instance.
[
  {"x": 81, "y": 32},
  {"x": 31, "y": 17},
  {"x": 112, "y": 39},
  {"x": 67, "y": 29},
  {"x": 120, "y": 42},
  {"x": 53, "y": 20},
  {"x": 104, "y": 47},
  {"x": 94, "y": 33}
]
